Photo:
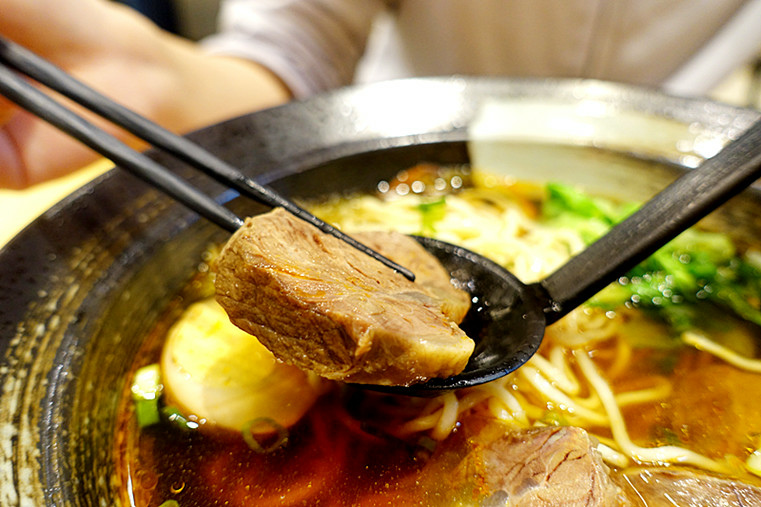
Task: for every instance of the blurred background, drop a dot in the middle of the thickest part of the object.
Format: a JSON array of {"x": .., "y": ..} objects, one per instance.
[{"x": 195, "y": 19}]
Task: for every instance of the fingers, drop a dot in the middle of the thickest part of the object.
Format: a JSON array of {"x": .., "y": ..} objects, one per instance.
[
  {"x": 32, "y": 151},
  {"x": 100, "y": 43},
  {"x": 124, "y": 56},
  {"x": 65, "y": 32}
]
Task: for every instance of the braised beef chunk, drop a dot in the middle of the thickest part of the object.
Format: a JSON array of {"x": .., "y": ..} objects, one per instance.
[
  {"x": 319, "y": 304},
  {"x": 429, "y": 273},
  {"x": 548, "y": 466},
  {"x": 686, "y": 488}
]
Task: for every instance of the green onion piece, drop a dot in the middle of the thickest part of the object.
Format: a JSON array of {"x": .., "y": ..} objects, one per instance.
[
  {"x": 432, "y": 212},
  {"x": 146, "y": 390},
  {"x": 280, "y": 439},
  {"x": 174, "y": 416},
  {"x": 552, "y": 418},
  {"x": 147, "y": 383},
  {"x": 170, "y": 503},
  {"x": 147, "y": 413}
]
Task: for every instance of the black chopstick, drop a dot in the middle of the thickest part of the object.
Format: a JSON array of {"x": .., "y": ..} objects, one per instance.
[
  {"x": 18, "y": 59},
  {"x": 16, "y": 89}
]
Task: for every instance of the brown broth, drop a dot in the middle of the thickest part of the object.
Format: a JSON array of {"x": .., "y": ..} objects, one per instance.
[{"x": 332, "y": 457}]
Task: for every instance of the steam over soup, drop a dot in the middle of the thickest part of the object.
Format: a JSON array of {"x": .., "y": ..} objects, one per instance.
[{"x": 649, "y": 391}]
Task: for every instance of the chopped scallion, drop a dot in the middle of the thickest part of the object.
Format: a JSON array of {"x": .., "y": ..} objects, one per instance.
[
  {"x": 174, "y": 416},
  {"x": 146, "y": 391},
  {"x": 432, "y": 212}
]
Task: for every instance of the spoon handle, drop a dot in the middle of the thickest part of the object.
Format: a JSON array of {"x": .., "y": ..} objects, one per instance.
[{"x": 674, "y": 209}]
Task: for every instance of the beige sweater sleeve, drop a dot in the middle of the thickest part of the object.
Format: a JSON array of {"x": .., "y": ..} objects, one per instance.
[{"x": 310, "y": 45}]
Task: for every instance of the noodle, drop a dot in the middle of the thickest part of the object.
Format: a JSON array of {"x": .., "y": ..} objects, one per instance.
[
  {"x": 583, "y": 327},
  {"x": 660, "y": 455},
  {"x": 612, "y": 456},
  {"x": 700, "y": 342},
  {"x": 621, "y": 359},
  {"x": 658, "y": 392},
  {"x": 448, "y": 418},
  {"x": 559, "y": 375},
  {"x": 563, "y": 402},
  {"x": 503, "y": 404}
]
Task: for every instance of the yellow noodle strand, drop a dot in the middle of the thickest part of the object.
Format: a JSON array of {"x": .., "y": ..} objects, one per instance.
[
  {"x": 562, "y": 401},
  {"x": 533, "y": 413},
  {"x": 612, "y": 456},
  {"x": 658, "y": 455},
  {"x": 448, "y": 418},
  {"x": 557, "y": 376},
  {"x": 559, "y": 359},
  {"x": 661, "y": 390},
  {"x": 621, "y": 361},
  {"x": 509, "y": 404},
  {"x": 701, "y": 342}
]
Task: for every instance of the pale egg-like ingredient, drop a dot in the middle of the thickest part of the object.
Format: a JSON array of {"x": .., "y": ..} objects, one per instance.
[{"x": 223, "y": 376}]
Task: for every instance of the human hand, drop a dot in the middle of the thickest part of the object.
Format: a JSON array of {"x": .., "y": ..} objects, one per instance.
[
  {"x": 85, "y": 38},
  {"x": 123, "y": 55}
]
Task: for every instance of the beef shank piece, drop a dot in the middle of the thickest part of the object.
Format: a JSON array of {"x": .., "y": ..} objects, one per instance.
[
  {"x": 321, "y": 305},
  {"x": 429, "y": 273},
  {"x": 546, "y": 467},
  {"x": 687, "y": 488}
]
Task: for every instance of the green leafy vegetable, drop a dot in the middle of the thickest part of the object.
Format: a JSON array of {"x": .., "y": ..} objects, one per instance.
[
  {"x": 432, "y": 212},
  {"x": 567, "y": 206},
  {"x": 695, "y": 268}
]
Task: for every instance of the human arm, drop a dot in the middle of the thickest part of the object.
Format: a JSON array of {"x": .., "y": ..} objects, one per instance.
[{"x": 312, "y": 45}]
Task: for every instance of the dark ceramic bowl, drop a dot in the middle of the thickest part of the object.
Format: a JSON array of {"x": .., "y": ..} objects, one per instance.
[{"x": 82, "y": 285}]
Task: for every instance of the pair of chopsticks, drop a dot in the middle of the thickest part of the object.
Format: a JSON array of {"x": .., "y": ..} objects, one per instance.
[{"x": 15, "y": 60}]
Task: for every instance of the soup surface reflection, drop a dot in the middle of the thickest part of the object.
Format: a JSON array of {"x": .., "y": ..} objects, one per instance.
[{"x": 660, "y": 369}]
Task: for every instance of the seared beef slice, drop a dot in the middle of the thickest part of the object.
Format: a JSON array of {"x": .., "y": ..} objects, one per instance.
[{"x": 319, "y": 304}]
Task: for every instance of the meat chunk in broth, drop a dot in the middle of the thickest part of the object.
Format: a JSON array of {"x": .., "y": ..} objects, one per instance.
[
  {"x": 561, "y": 466},
  {"x": 548, "y": 466},
  {"x": 687, "y": 488},
  {"x": 319, "y": 304}
]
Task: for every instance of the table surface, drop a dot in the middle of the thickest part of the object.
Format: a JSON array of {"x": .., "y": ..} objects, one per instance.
[{"x": 18, "y": 208}]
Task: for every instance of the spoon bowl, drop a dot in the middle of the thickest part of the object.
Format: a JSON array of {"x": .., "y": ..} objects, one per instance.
[{"x": 506, "y": 317}]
